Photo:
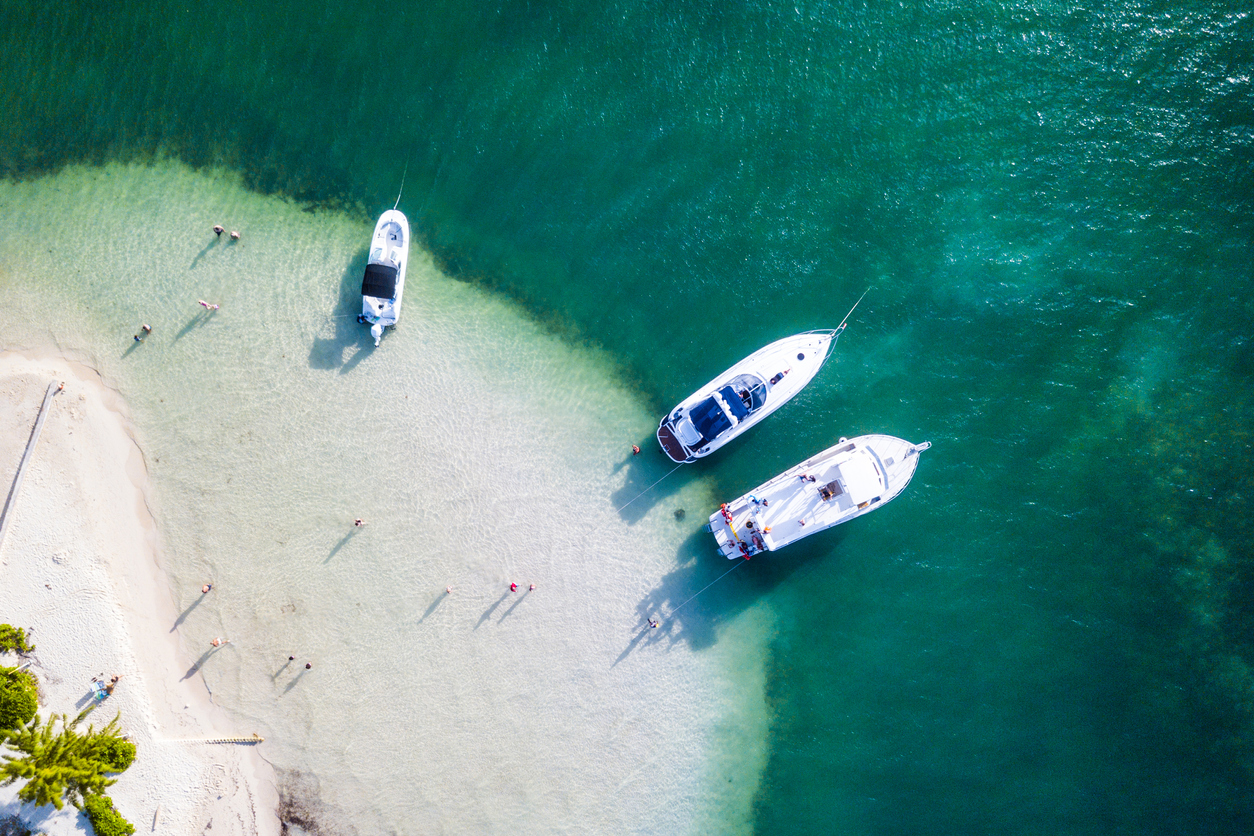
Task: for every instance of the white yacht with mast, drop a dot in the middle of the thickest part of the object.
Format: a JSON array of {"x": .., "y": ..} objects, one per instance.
[
  {"x": 852, "y": 478},
  {"x": 745, "y": 394},
  {"x": 384, "y": 282}
]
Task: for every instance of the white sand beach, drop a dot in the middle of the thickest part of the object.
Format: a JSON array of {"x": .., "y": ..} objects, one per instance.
[
  {"x": 480, "y": 449},
  {"x": 79, "y": 571}
]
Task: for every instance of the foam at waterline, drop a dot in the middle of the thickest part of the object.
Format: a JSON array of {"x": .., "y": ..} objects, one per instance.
[{"x": 479, "y": 450}]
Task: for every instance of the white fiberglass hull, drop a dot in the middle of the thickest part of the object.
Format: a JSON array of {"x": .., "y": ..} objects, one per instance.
[
  {"x": 852, "y": 478},
  {"x": 759, "y": 384},
  {"x": 384, "y": 284}
]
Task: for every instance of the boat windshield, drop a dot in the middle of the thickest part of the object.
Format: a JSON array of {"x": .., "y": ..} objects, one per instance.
[
  {"x": 379, "y": 281},
  {"x": 709, "y": 419},
  {"x": 749, "y": 390}
]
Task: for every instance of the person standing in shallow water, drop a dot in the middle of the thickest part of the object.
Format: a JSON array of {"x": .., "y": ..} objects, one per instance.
[{"x": 218, "y": 229}]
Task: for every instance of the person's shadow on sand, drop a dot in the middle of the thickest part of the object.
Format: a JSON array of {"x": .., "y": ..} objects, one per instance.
[
  {"x": 213, "y": 242},
  {"x": 196, "y": 666},
  {"x": 295, "y": 680},
  {"x": 198, "y": 320},
  {"x": 343, "y": 542},
  {"x": 514, "y": 606},
  {"x": 183, "y": 615},
  {"x": 488, "y": 612},
  {"x": 279, "y": 672},
  {"x": 439, "y": 599}
]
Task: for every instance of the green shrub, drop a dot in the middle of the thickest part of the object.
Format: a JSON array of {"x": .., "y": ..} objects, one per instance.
[
  {"x": 115, "y": 752},
  {"x": 59, "y": 765},
  {"x": 18, "y": 698},
  {"x": 13, "y": 640},
  {"x": 104, "y": 819}
]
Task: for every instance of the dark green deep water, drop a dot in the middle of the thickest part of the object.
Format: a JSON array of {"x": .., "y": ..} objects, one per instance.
[{"x": 1052, "y": 630}]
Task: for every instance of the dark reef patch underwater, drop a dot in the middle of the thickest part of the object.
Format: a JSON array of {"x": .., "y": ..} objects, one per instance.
[
  {"x": 1053, "y": 629},
  {"x": 302, "y": 810}
]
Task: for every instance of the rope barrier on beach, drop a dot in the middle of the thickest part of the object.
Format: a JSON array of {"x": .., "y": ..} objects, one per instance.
[{"x": 6, "y": 514}]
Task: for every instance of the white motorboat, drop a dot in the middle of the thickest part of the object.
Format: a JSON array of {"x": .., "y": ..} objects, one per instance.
[
  {"x": 853, "y": 478},
  {"x": 384, "y": 282},
  {"x": 743, "y": 395}
]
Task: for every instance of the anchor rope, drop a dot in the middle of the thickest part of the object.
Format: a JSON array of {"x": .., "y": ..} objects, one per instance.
[
  {"x": 651, "y": 487},
  {"x": 707, "y": 586}
]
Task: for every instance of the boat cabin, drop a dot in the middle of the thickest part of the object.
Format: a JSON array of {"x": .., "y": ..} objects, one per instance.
[{"x": 726, "y": 408}]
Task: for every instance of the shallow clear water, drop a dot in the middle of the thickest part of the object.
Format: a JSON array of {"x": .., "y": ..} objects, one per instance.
[
  {"x": 1049, "y": 629},
  {"x": 479, "y": 451}
]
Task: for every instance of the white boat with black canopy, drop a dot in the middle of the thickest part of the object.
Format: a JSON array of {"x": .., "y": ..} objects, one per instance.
[
  {"x": 745, "y": 394},
  {"x": 845, "y": 481},
  {"x": 384, "y": 283}
]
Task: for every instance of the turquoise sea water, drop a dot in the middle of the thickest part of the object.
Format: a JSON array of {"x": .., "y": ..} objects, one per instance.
[{"x": 1050, "y": 630}]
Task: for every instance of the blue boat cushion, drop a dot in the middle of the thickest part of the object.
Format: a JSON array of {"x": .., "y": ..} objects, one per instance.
[
  {"x": 737, "y": 406},
  {"x": 379, "y": 281},
  {"x": 709, "y": 419}
]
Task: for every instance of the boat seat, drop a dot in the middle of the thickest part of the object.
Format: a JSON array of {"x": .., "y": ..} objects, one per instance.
[{"x": 830, "y": 491}]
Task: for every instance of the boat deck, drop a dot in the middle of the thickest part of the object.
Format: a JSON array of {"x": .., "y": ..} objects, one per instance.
[
  {"x": 836, "y": 489},
  {"x": 670, "y": 444},
  {"x": 388, "y": 246}
]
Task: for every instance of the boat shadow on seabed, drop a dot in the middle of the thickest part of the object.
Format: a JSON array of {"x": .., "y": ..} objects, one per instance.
[
  {"x": 634, "y": 498},
  {"x": 682, "y": 617},
  {"x": 347, "y": 334}
]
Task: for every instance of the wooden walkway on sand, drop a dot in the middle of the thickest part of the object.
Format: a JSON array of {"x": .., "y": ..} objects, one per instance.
[{"x": 7, "y": 513}]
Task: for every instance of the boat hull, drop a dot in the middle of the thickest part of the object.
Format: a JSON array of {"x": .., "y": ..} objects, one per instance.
[
  {"x": 847, "y": 480},
  {"x": 795, "y": 360},
  {"x": 383, "y": 286}
]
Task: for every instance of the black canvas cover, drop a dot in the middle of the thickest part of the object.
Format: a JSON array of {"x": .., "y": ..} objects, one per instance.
[{"x": 380, "y": 281}]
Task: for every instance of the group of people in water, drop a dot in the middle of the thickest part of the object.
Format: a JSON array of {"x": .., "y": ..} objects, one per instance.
[{"x": 145, "y": 329}]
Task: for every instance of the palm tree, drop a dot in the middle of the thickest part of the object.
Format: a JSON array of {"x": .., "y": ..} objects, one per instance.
[{"x": 56, "y": 765}]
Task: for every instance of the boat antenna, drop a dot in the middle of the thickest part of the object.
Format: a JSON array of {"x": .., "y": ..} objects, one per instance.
[
  {"x": 851, "y": 310},
  {"x": 398, "y": 194}
]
